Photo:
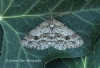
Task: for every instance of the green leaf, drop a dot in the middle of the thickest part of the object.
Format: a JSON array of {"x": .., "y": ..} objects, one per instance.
[
  {"x": 91, "y": 61},
  {"x": 18, "y": 17}
]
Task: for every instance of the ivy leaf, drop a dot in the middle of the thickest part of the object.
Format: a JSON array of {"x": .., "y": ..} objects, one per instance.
[
  {"x": 91, "y": 61},
  {"x": 17, "y": 18}
]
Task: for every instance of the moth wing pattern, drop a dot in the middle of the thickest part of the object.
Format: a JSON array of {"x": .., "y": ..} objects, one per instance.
[
  {"x": 68, "y": 38},
  {"x": 34, "y": 40},
  {"x": 52, "y": 33}
]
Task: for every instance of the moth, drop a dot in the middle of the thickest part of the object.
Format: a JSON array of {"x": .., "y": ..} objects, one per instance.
[{"x": 52, "y": 33}]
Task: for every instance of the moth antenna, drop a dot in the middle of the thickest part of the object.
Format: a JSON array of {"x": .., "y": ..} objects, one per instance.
[
  {"x": 51, "y": 14},
  {"x": 51, "y": 18}
]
